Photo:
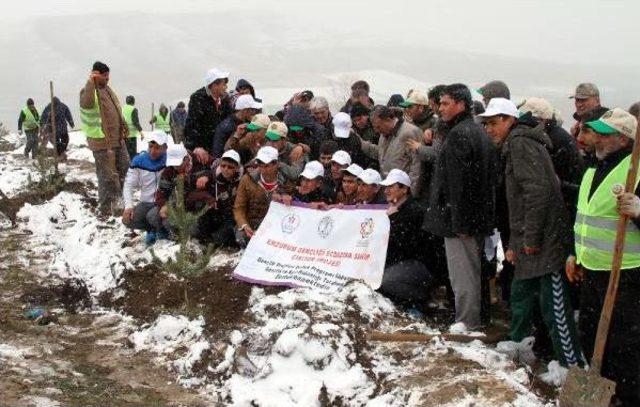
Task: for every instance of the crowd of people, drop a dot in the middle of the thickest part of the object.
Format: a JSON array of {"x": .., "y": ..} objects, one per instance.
[{"x": 456, "y": 177}]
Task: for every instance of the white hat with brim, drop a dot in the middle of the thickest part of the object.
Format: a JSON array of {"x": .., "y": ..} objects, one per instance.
[
  {"x": 353, "y": 169},
  {"x": 500, "y": 107},
  {"x": 313, "y": 170},
  {"x": 341, "y": 125},
  {"x": 396, "y": 176},
  {"x": 176, "y": 154},
  {"x": 370, "y": 177},
  {"x": 159, "y": 137},
  {"x": 213, "y": 75},
  {"x": 247, "y": 102},
  {"x": 232, "y": 155},
  {"x": 341, "y": 157},
  {"x": 267, "y": 155}
]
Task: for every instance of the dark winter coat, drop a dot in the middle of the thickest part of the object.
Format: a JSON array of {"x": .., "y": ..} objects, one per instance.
[
  {"x": 202, "y": 119},
  {"x": 313, "y": 134},
  {"x": 567, "y": 162},
  {"x": 352, "y": 146},
  {"x": 405, "y": 235},
  {"x": 63, "y": 117},
  {"x": 537, "y": 215},
  {"x": 224, "y": 131},
  {"x": 462, "y": 191}
]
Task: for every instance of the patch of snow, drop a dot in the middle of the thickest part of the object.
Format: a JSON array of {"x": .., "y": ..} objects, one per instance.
[
  {"x": 38, "y": 401},
  {"x": 555, "y": 374}
]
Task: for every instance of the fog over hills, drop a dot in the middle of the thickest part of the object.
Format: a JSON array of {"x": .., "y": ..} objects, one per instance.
[{"x": 159, "y": 50}]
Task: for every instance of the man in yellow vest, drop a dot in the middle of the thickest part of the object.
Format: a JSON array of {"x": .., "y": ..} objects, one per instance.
[
  {"x": 600, "y": 203},
  {"x": 28, "y": 121},
  {"x": 161, "y": 120},
  {"x": 130, "y": 114},
  {"x": 106, "y": 130}
]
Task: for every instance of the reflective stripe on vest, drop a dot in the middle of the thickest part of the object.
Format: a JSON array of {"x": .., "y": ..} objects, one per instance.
[
  {"x": 127, "y": 113},
  {"x": 162, "y": 123},
  {"x": 30, "y": 122},
  {"x": 597, "y": 220},
  {"x": 92, "y": 120}
]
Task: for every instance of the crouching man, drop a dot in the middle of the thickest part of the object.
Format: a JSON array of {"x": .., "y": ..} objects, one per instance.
[
  {"x": 143, "y": 175},
  {"x": 406, "y": 280}
]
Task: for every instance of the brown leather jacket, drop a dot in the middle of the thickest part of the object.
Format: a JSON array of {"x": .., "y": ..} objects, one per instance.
[{"x": 113, "y": 125}]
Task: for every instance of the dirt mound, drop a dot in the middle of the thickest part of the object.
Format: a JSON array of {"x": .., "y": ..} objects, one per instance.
[
  {"x": 34, "y": 196},
  {"x": 72, "y": 294},
  {"x": 149, "y": 292}
]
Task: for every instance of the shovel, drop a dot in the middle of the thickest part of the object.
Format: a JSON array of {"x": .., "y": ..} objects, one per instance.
[{"x": 590, "y": 389}]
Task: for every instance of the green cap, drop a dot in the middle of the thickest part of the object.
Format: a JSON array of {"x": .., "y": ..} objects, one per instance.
[
  {"x": 601, "y": 127},
  {"x": 296, "y": 128},
  {"x": 273, "y": 136},
  {"x": 405, "y": 104},
  {"x": 253, "y": 127}
]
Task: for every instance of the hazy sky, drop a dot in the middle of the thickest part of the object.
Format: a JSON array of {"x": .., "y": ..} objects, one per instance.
[{"x": 159, "y": 50}]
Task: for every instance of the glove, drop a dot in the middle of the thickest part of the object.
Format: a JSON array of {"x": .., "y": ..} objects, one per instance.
[{"x": 629, "y": 204}]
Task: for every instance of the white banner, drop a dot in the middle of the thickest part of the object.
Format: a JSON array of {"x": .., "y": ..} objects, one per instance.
[{"x": 302, "y": 247}]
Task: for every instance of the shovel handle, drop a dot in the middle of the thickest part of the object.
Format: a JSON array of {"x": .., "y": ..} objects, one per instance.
[{"x": 614, "y": 278}]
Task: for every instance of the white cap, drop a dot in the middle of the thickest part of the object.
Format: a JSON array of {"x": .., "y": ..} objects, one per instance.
[
  {"x": 353, "y": 169},
  {"x": 500, "y": 106},
  {"x": 267, "y": 154},
  {"x": 313, "y": 170},
  {"x": 539, "y": 108},
  {"x": 247, "y": 102},
  {"x": 341, "y": 157},
  {"x": 158, "y": 136},
  {"x": 176, "y": 154},
  {"x": 397, "y": 176},
  {"x": 213, "y": 75},
  {"x": 232, "y": 155},
  {"x": 370, "y": 176},
  {"x": 342, "y": 125}
]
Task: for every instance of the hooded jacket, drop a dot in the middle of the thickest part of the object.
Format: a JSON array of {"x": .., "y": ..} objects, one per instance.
[
  {"x": 144, "y": 175},
  {"x": 63, "y": 117},
  {"x": 537, "y": 215},
  {"x": 314, "y": 133}
]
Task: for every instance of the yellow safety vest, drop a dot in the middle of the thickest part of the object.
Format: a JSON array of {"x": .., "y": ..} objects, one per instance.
[
  {"x": 597, "y": 219},
  {"x": 127, "y": 113},
  {"x": 30, "y": 122},
  {"x": 92, "y": 120},
  {"x": 162, "y": 123}
]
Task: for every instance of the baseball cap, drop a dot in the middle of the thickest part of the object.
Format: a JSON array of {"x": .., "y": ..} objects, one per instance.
[
  {"x": 267, "y": 154},
  {"x": 312, "y": 170},
  {"x": 296, "y": 128},
  {"x": 259, "y": 122},
  {"x": 176, "y": 154},
  {"x": 616, "y": 121},
  {"x": 495, "y": 89},
  {"x": 539, "y": 108},
  {"x": 342, "y": 125},
  {"x": 158, "y": 137},
  {"x": 213, "y": 75},
  {"x": 370, "y": 176},
  {"x": 585, "y": 91},
  {"x": 415, "y": 98},
  {"x": 247, "y": 102},
  {"x": 341, "y": 157},
  {"x": 500, "y": 106},
  {"x": 276, "y": 131},
  {"x": 232, "y": 155},
  {"x": 396, "y": 176},
  {"x": 353, "y": 169}
]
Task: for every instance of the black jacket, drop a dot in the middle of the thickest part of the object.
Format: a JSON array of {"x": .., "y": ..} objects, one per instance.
[
  {"x": 313, "y": 134},
  {"x": 567, "y": 162},
  {"x": 63, "y": 116},
  {"x": 405, "y": 235},
  {"x": 225, "y": 129},
  {"x": 462, "y": 191},
  {"x": 202, "y": 119}
]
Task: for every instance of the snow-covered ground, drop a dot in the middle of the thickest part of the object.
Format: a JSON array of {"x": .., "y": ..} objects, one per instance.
[{"x": 299, "y": 347}]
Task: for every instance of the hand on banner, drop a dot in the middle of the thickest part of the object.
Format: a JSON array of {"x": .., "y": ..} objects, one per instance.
[
  {"x": 319, "y": 205},
  {"x": 248, "y": 231}
]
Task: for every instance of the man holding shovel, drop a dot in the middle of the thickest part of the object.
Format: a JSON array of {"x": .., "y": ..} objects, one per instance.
[
  {"x": 106, "y": 130},
  {"x": 601, "y": 202}
]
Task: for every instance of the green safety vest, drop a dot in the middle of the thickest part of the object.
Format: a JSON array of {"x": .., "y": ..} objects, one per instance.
[
  {"x": 597, "y": 220},
  {"x": 30, "y": 122},
  {"x": 162, "y": 123},
  {"x": 92, "y": 120},
  {"x": 127, "y": 112}
]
